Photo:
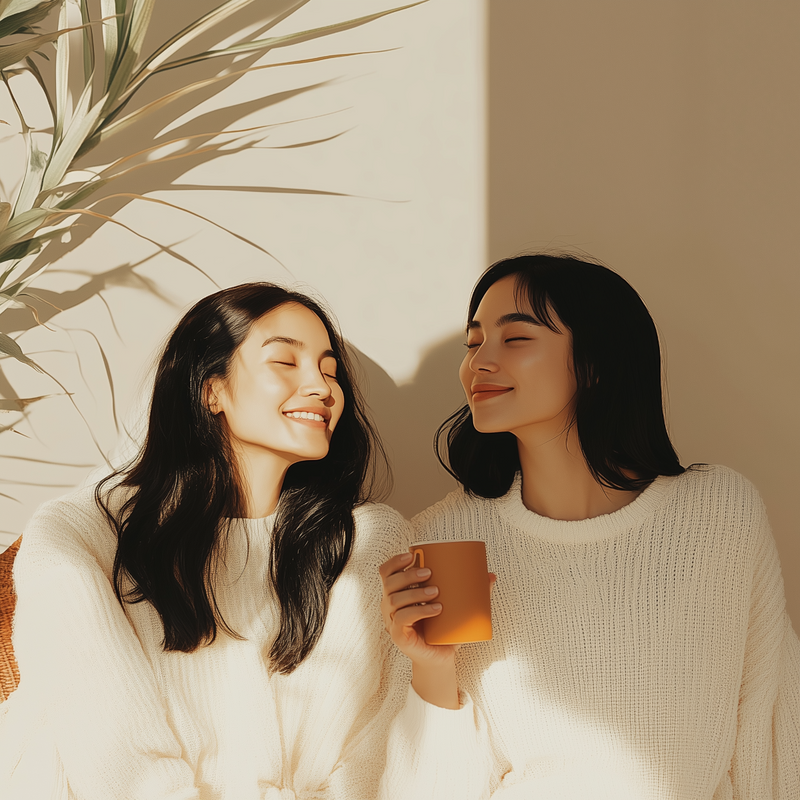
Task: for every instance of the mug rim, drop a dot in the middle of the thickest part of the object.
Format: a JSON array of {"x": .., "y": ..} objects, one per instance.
[{"x": 446, "y": 541}]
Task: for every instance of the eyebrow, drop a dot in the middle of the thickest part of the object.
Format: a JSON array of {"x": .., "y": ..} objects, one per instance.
[
  {"x": 506, "y": 319},
  {"x": 295, "y": 343}
]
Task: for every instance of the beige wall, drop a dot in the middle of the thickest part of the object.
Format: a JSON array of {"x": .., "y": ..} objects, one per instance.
[{"x": 662, "y": 138}]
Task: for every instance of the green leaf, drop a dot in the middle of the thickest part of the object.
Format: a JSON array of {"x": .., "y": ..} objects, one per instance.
[
  {"x": 62, "y": 79},
  {"x": 128, "y": 53},
  {"x": 20, "y": 226},
  {"x": 110, "y": 38},
  {"x": 31, "y": 244},
  {"x": 88, "y": 43},
  {"x": 11, "y": 348},
  {"x": 32, "y": 180},
  {"x": 9, "y": 8},
  {"x": 10, "y": 54},
  {"x": 5, "y": 215},
  {"x": 9, "y": 294},
  {"x": 81, "y": 126},
  {"x": 26, "y": 19}
]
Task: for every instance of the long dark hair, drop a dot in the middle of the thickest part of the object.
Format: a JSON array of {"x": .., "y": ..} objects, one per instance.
[
  {"x": 172, "y": 527},
  {"x": 619, "y": 411}
]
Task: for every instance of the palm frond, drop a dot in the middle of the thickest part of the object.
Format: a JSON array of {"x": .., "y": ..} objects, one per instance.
[
  {"x": 10, "y": 348},
  {"x": 23, "y": 20}
]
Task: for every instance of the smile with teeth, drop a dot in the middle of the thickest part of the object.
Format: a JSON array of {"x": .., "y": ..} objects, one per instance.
[{"x": 304, "y": 415}]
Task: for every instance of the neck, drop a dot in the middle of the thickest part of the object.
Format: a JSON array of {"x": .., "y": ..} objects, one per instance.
[
  {"x": 262, "y": 477},
  {"x": 557, "y": 482}
]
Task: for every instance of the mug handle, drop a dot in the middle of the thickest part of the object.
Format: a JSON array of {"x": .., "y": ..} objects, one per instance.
[{"x": 414, "y": 560}]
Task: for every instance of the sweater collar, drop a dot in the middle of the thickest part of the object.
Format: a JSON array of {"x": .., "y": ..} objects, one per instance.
[{"x": 629, "y": 517}]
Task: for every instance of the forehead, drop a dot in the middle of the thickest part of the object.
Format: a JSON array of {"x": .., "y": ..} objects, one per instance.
[
  {"x": 503, "y": 294},
  {"x": 290, "y": 321},
  {"x": 507, "y": 299}
]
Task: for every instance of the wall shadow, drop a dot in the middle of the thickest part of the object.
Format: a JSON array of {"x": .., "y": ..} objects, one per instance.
[{"x": 407, "y": 417}]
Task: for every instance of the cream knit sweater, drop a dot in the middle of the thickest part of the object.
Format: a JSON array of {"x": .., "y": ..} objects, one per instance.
[
  {"x": 638, "y": 655},
  {"x": 103, "y": 713}
]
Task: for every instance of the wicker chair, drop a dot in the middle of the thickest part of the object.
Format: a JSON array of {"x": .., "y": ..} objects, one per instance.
[{"x": 9, "y": 673}]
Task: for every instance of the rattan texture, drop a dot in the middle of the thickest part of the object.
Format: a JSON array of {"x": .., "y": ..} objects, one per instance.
[{"x": 9, "y": 673}]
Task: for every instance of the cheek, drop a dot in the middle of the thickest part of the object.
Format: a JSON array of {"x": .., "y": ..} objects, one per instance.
[
  {"x": 465, "y": 374},
  {"x": 338, "y": 406}
]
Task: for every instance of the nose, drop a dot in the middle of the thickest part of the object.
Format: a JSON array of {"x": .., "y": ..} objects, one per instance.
[
  {"x": 316, "y": 385},
  {"x": 481, "y": 359}
]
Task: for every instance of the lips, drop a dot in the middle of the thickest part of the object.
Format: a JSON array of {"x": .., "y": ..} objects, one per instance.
[{"x": 485, "y": 391}]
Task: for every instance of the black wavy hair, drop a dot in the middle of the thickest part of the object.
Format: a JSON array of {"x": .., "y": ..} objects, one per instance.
[
  {"x": 172, "y": 527},
  {"x": 619, "y": 412}
]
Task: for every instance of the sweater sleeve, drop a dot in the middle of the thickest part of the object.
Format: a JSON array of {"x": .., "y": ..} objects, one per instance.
[
  {"x": 437, "y": 753},
  {"x": 80, "y": 657},
  {"x": 766, "y": 758}
]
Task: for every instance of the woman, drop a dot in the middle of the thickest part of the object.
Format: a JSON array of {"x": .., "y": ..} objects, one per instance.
[
  {"x": 201, "y": 624},
  {"x": 641, "y": 648}
]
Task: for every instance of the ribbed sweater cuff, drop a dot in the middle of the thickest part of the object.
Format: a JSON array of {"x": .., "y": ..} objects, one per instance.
[{"x": 425, "y": 722}]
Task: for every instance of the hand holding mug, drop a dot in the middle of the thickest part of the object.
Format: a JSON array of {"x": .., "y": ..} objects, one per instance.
[
  {"x": 405, "y": 603},
  {"x": 456, "y": 606}
]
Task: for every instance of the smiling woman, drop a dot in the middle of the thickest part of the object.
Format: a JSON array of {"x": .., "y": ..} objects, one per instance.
[
  {"x": 641, "y": 647},
  {"x": 203, "y": 623}
]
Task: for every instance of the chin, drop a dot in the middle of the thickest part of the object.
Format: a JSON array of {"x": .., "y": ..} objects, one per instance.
[{"x": 484, "y": 426}]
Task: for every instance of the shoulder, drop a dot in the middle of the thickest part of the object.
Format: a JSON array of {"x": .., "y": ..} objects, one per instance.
[
  {"x": 720, "y": 493},
  {"x": 381, "y": 532},
  {"x": 721, "y": 511},
  {"x": 68, "y": 529}
]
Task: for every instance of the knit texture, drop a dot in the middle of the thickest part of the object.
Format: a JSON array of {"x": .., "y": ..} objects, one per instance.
[
  {"x": 637, "y": 655},
  {"x": 103, "y": 713}
]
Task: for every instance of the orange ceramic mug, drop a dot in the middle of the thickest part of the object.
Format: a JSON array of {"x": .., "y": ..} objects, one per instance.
[{"x": 459, "y": 570}]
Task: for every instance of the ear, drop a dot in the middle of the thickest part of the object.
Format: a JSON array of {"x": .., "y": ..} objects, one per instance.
[{"x": 211, "y": 395}]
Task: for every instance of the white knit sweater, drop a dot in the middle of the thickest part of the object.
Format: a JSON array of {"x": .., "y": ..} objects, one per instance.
[
  {"x": 637, "y": 655},
  {"x": 103, "y": 713}
]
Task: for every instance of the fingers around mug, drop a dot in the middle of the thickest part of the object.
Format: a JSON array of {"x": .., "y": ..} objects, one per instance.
[
  {"x": 411, "y": 597},
  {"x": 395, "y": 564},
  {"x": 399, "y": 581},
  {"x": 407, "y": 616}
]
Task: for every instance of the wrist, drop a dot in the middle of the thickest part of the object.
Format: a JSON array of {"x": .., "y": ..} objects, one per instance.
[{"x": 436, "y": 683}]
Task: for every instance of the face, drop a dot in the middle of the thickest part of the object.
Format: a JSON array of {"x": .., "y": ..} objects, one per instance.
[
  {"x": 517, "y": 374},
  {"x": 281, "y": 398}
]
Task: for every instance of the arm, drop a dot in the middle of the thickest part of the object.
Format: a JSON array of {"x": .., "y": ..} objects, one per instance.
[
  {"x": 80, "y": 657},
  {"x": 766, "y": 759},
  {"x": 438, "y": 745}
]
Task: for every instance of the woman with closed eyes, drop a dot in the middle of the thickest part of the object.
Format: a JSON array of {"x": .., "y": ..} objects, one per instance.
[
  {"x": 641, "y": 647},
  {"x": 204, "y": 623}
]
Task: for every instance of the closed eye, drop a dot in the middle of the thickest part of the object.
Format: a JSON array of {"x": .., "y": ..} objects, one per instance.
[{"x": 472, "y": 345}]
